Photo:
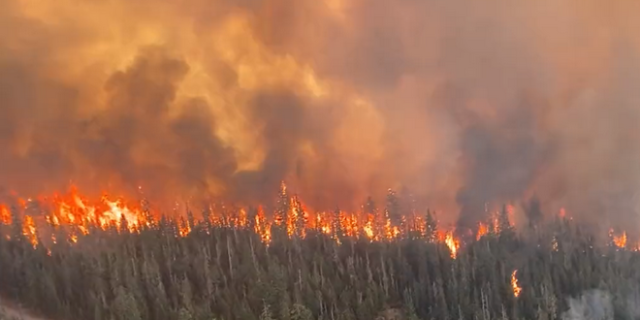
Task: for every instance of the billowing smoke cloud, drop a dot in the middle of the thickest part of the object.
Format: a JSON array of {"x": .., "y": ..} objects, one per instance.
[{"x": 462, "y": 103}]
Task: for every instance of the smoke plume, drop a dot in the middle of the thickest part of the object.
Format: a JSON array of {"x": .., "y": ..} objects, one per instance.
[{"x": 462, "y": 103}]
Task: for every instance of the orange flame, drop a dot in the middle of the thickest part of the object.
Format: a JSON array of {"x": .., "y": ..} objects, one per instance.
[
  {"x": 263, "y": 227},
  {"x": 5, "y": 215},
  {"x": 451, "y": 241},
  {"x": 79, "y": 215},
  {"x": 483, "y": 229},
  {"x": 514, "y": 284},
  {"x": 29, "y": 231},
  {"x": 453, "y": 244},
  {"x": 620, "y": 241},
  {"x": 368, "y": 229}
]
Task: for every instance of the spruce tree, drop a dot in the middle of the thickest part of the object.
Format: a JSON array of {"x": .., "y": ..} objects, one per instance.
[{"x": 431, "y": 227}]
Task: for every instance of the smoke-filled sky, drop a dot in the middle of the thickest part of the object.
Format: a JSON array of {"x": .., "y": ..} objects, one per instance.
[{"x": 461, "y": 102}]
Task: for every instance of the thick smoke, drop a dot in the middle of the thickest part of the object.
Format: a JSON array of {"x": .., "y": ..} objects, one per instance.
[{"x": 465, "y": 104}]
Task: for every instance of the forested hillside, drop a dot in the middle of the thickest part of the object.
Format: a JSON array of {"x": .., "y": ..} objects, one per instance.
[{"x": 227, "y": 272}]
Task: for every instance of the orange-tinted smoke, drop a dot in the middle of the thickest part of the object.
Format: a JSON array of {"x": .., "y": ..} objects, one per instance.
[{"x": 462, "y": 104}]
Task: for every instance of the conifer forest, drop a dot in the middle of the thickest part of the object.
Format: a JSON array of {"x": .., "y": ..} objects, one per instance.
[{"x": 206, "y": 268}]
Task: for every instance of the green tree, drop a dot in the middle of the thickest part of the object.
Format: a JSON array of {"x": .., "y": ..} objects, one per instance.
[
  {"x": 300, "y": 312},
  {"x": 124, "y": 306}
]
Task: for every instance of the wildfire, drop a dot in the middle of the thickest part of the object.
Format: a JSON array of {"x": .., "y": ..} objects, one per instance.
[
  {"x": 184, "y": 229},
  {"x": 451, "y": 241},
  {"x": 79, "y": 215},
  {"x": 349, "y": 223},
  {"x": 492, "y": 225},
  {"x": 29, "y": 231},
  {"x": 75, "y": 210},
  {"x": 262, "y": 226},
  {"x": 619, "y": 241},
  {"x": 483, "y": 229},
  {"x": 76, "y": 213},
  {"x": 5, "y": 215},
  {"x": 453, "y": 244},
  {"x": 514, "y": 284},
  {"x": 323, "y": 223},
  {"x": 368, "y": 230}
]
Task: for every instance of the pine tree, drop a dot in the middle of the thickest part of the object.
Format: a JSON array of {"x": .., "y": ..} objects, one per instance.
[
  {"x": 266, "y": 313},
  {"x": 125, "y": 307},
  {"x": 409, "y": 309},
  {"x": 184, "y": 314},
  {"x": 336, "y": 225},
  {"x": 504, "y": 224},
  {"x": 301, "y": 218},
  {"x": 393, "y": 208},
  {"x": 534, "y": 212},
  {"x": 431, "y": 227},
  {"x": 283, "y": 205},
  {"x": 370, "y": 206},
  {"x": 300, "y": 312}
]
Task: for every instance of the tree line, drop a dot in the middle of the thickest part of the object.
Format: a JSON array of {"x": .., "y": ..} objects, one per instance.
[{"x": 217, "y": 272}]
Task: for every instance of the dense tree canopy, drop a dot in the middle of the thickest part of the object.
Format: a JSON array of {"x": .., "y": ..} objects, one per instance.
[{"x": 230, "y": 273}]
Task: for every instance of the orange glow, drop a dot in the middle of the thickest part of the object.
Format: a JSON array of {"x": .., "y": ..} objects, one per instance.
[
  {"x": 511, "y": 213},
  {"x": 73, "y": 238},
  {"x": 620, "y": 241},
  {"x": 453, "y": 244},
  {"x": 483, "y": 229},
  {"x": 322, "y": 223},
  {"x": 419, "y": 225},
  {"x": 562, "y": 213},
  {"x": 73, "y": 209},
  {"x": 492, "y": 225},
  {"x": 368, "y": 229},
  {"x": 79, "y": 215},
  {"x": 451, "y": 241},
  {"x": 5, "y": 215},
  {"x": 263, "y": 227},
  {"x": 29, "y": 231},
  {"x": 349, "y": 224},
  {"x": 241, "y": 220},
  {"x": 184, "y": 229},
  {"x": 514, "y": 284}
]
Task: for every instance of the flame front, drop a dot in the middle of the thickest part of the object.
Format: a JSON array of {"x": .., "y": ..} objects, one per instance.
[
  {"x": 75, "y": 210},
  {"x": 78, "y": 214}
]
